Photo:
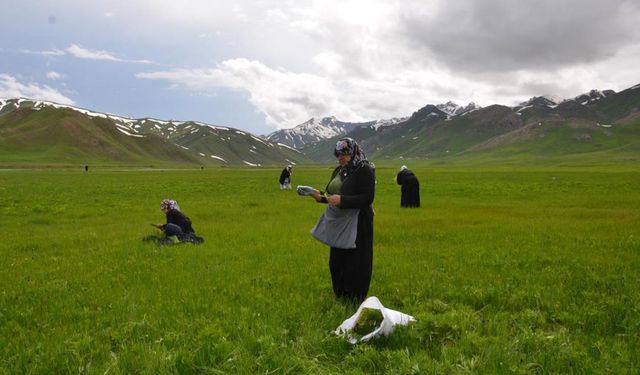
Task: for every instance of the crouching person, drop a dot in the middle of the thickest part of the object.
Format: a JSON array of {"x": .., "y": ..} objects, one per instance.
[{"x": 178, "y": 225}]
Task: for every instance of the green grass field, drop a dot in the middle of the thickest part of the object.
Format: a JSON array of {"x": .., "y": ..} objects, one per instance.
[{"x": 508, "y": 270}]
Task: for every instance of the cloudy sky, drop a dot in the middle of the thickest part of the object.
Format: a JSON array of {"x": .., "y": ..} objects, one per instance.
[{"x": 263, "y": 65}]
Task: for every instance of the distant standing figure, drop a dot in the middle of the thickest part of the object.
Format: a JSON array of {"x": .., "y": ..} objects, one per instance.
[
  {"x": 285, "y": 178},
  {"x": 410, "y": 188},
  {"x": 86, "y": 168}
]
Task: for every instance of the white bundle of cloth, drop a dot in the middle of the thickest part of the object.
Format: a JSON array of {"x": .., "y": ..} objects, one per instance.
[{"x": 391, "y": 318}]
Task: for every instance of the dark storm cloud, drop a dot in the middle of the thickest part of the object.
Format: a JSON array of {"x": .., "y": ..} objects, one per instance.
[{"x": 508, "y": 35}]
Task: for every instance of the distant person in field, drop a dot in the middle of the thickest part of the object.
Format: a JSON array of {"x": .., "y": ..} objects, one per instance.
[
  {"x": 352, "y": 185},
  {"x": 86, "y": 168},
  {"x": 178, "y": 224},
  {"x": 410, "y": 188},
  {"x": 285, "y": 178}
]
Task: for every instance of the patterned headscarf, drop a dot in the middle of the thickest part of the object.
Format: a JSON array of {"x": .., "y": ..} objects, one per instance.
[
  {"x": 403, "y": 168},
  {"x": 348, "y": 146},
  {"x": 169, "y": 204}
]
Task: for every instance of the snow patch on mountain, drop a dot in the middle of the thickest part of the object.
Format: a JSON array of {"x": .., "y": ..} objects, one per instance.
[
  {"x": 390, "y": 122},
  {"x": 453, "y": 109},
  {"x": 215, "y": 127},
  {"x": 251, "y": 164},
  {"x": 260, "y": 140},
  {"x": 129, "y": 134},
  {"x": 592, "y": 96},
  {"x": 290, "y": 148},
  {"x": 541, "y": 101},
  {"x": 219, "y": 158},
  {"x": 523, "y": 108}
]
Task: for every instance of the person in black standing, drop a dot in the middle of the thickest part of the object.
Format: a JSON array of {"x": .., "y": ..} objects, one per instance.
[
  {"x": 410, "y": 188},
  {"x": 285, "y": 178},
  {"x": 352, "y": 185}
]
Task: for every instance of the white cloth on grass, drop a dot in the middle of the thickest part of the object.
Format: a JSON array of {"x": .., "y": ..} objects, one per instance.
[{"x": 391, "y": 318}]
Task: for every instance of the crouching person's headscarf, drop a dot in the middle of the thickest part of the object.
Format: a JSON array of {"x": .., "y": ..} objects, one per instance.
[{"x": 169, "y": 204}]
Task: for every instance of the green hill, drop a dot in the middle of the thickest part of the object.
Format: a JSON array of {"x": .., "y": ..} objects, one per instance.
[
  {"x": 604, "y": 129},
  {"x": 41, "y": 133},
  {"x": 68, "y": 137}
]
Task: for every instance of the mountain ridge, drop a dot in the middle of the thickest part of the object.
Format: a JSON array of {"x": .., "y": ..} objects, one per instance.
[
  {"x": 596, "y": 121},
  {"x": 205, "y": 144},
  {"x": 538, "y": 127}
]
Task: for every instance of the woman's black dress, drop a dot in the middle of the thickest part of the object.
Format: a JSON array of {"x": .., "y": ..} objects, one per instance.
[
  {"x": 410, "y": 189},
  {"x": 351, "y": 268}
]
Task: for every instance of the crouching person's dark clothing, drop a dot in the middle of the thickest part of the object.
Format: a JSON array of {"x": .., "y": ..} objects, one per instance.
[
  {"x": 179, "y": 225},
  {"x": 178, "y": 219}
]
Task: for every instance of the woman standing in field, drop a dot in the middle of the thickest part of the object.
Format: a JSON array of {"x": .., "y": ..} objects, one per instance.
[
  {"x": 352, "y": 185},
  {"x": 285, "y": 178}
]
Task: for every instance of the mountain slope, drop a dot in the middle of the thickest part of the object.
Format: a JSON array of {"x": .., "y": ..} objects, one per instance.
[
  {"x": 47, "y": 132},
  {"x": 606, "y": 123},
  {"x": 65, "y": 136}
]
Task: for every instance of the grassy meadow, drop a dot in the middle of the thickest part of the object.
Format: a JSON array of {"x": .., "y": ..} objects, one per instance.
[{"x": 507, "y": 269}]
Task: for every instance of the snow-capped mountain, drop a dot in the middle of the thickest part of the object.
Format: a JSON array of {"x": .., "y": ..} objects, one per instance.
[
  {"x": 314, "y": 130},
  {"x": 551, "y": 101},
  {"x": 389, "y": 122},
  {"x": 328, "y": 127},
  {"x": 453, "y": 109},
  {"x": 541, "y": 101},
  {"x": 593, "y": 96}
]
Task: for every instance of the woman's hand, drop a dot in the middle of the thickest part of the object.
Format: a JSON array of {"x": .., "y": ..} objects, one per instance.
[
  {"x": 334, "y": 200},
  {"x": 316, "y": 195}
]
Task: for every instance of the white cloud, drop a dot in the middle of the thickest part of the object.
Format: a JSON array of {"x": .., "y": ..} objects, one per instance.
[
  {"x": 364, "y": 60},
  {"x": 367, "y": 64},
  {"x": 54, "y": 76},
  {"x": 83, "y": 53},
  {"x": 287, "y": 98},
  {"x": 277, "y": 15},
  {"x": 10, "y": 87},
  {"x": 53, "y": 52}
]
